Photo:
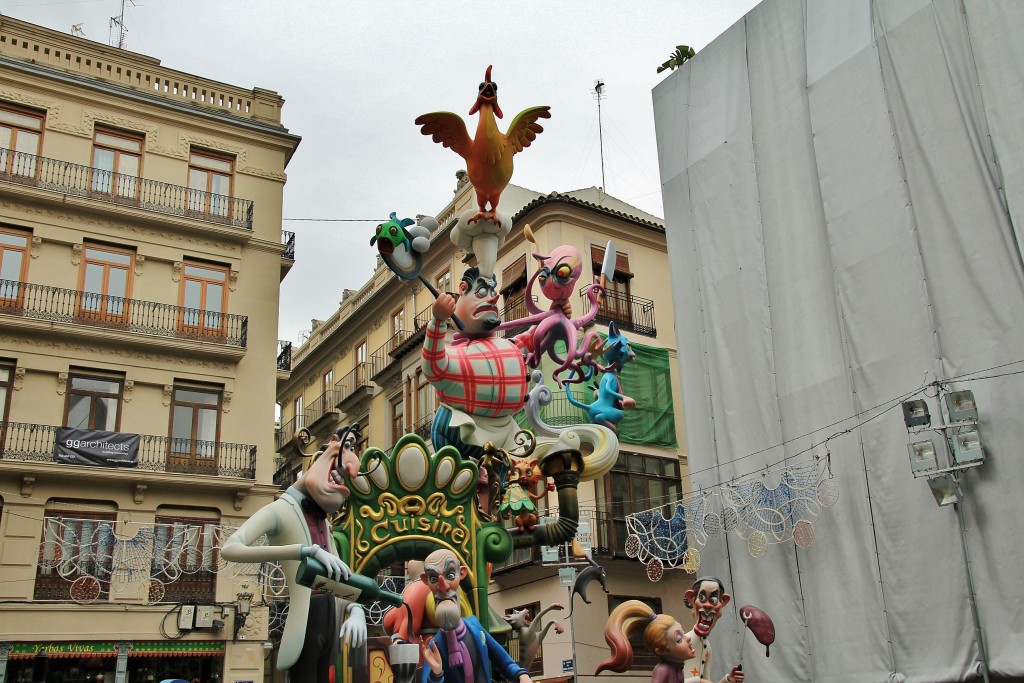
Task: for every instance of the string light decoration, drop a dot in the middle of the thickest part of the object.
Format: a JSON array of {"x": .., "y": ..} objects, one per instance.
[{"x": 760, "y": 513}]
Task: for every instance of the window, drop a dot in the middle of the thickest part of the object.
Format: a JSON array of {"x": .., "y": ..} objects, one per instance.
[
  {"x": 20, "y": 133},
  {"x": 76, "y": 555},
  {"x": 297, "y": 406},
  {"x": 616, "y": 303},
  {"x": 6, "y": 377},
  {"x": 13, "y": 265},
  {"x": 185, "y": 556},
  {"x": 424, "y": 403},
  {"x": 116, "y": 157},
  {"x": 203, "y": 300},
  {"x": 93, "y": 402},
  {"x": 642, "y": 657},
  {"x": 361, "y": 377},
  {"x": 513, "y": 290},
  {"x": 536, "y": 669},
  {"x": 443, "y": 281},
  {"x": 636, "y": 483},
  {"x": 209, "y": 183},
  {"x": 398, "y": 321},
  {"x": 195, "y": 425},
  {"x": 105, "y": 283},
  {"x": 327, "y": 386},
  {"x": 397, "y": 418}
]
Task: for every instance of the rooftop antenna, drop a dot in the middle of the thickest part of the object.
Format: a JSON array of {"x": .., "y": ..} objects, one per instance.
[
  {"x": 122, "y": 30},
  {"x": 76, "y": 30},
  {"x": 599, "y": 94}
]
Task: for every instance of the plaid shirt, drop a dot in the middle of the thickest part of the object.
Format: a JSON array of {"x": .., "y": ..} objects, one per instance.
[{"x": 484, "y": 376}]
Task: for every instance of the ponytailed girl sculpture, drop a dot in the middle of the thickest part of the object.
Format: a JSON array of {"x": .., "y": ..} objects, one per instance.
[{"x": 663, "y": 635}]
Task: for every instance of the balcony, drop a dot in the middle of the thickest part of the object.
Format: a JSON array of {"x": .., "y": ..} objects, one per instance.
[
  {"x": 515, "y": 308},
  {"x": 353, "y": 387},
  {"x": 321, "y": 409},
  {"x": 422, "y": 427},
  {"x": 34, "y": 443},
  {"x": 134, "y": 321},
  {"x": 288, "y": 429},
  {"x": 385, "y": 356},
  {"x": 606, "y": 537},
  {"x": 630, "y": 313},
  {"x": 288, "y": 240},
  {"x": 284, "y": 356},
  {"x": 283, "y": 472},
  {"x": 67, "y": 179},
  {"x": 288, "y": 255}
]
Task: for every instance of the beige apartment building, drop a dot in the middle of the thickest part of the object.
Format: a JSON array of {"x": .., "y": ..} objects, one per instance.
[
  {"x": 141, "y": 254},
  {"x": 362, "y": 364}
]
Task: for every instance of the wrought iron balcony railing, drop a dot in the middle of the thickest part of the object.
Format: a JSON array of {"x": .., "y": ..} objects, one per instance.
[
  {"x": 288, "y": 240},
  {"x": 43, "y": 302},
  {"x": 630, "y": 313},
  {"x": 352, "y": 383},
  {"x": 284, "y": 356},
  {"x": 34, "y": 443},
  {"x": 288, "y": 429},
  {"x": 116, "y": 188},
  {"x": 422, "y": 427},
  {"x": 381, "y": 359},
  {"x": 423, "y": 317},
  {"x": 515, "y": 308},
  {"x": 320, "y": 406},
  {"x": 606, "y": 537}
]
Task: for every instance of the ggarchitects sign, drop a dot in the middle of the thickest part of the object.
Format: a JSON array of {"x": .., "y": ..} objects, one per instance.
[{"x": 95, "y": 447}]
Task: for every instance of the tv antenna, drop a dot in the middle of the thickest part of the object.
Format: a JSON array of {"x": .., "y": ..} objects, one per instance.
[
  {"x": 76, "y": 30},
  {"x": 599, "y": 94},
  {"x": 122, "y": 30}
]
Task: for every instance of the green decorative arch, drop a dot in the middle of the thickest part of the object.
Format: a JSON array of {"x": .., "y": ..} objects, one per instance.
[{"x": 409, "y": 503}]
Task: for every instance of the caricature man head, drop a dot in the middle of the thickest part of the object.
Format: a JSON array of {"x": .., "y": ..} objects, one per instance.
[
  {"x": 442, "y": 573},
  {"x": 477, "y": 305},
  {"x": 706, "y": 599},
  {"x": 324, "y": 478}
]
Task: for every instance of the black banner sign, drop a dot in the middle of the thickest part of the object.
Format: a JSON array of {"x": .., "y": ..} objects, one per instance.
[{"x": 95, "y": 447}]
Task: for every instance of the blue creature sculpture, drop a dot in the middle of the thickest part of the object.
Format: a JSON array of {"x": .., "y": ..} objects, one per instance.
[{"x": 609, "y": 401}]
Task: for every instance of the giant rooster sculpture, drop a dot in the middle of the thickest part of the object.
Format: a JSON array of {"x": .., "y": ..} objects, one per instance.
[{"x": 489, "y": 155}]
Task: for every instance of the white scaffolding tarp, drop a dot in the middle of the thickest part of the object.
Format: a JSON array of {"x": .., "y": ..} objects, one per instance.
[{"x": 844, "y": 199}]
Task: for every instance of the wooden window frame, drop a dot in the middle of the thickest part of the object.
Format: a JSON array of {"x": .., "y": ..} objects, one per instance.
[
  {"x": 11, "y": 164},
  {"x": 196, "y": 583},
  {"x": 200, "y": 330},
  {"x": 121, "y": 187},
  {"x": 71, "y": 392},
  {"x": 51, "y": 580},
  {"x": 190, "y": 461},
  {"x": 15, "y": 303},
  {"x": 396, "y": 404},
  {"x": 103, "y": 314},
  {"x": 622, "y": 469},
  {"x": 443, "y": 281},
  {"x": 398, "y": 316},
  {"x": 618, "y": 306},
  {"x": 196, "y": 157}
]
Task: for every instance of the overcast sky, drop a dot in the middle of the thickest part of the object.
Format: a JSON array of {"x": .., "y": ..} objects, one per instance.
[{"x": 354, "y": 76}]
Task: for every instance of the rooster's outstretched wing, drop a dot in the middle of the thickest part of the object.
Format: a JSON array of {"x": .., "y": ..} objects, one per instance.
[
  {"x": 447, "y": 128},
  {"x": 525, "y": 128}
]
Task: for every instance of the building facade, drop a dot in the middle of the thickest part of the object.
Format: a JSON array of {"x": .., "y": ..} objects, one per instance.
[
  {"x": 363, "y": 365},
  {"x": 141, "y": 254}
]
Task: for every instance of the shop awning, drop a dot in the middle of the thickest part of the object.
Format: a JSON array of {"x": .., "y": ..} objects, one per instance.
[
  {"x": 177, "y": 648},
  {"x": 151, "y": 648}
]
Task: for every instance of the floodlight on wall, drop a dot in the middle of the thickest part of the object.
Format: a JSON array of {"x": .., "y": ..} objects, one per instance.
[
  {"x": 923, "y": 457},
  {"x": 961, "y": 406},
  {"x": 944, "y": 489},
  {"x": 915, "y": 413},
  {"x": 967, "y": 447}
]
